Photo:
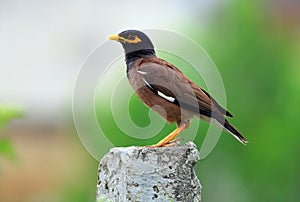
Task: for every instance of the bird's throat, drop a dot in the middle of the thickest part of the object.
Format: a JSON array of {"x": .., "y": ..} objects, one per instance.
[
  {"x": 131, "y": 57},
  {"x": 135, "y": 55}
]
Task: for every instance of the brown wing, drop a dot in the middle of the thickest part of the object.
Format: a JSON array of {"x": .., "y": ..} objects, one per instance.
[{"x": 166, "y": 80}]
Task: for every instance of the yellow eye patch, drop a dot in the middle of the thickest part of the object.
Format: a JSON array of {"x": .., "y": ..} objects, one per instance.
[{"x": 135, "y": 39}]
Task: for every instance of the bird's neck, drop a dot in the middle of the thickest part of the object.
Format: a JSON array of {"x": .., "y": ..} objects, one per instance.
[{"x": 135, "y": 55}]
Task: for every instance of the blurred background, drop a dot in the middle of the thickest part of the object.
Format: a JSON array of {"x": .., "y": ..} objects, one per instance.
[{"x": 255, "y": 45}]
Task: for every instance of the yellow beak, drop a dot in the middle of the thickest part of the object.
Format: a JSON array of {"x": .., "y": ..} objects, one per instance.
[{"x": 115, "y": 37}]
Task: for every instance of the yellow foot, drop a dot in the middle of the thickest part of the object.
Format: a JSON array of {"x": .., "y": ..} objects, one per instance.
[
  {"x": 167, "y": 144},
  {"x": 175, "y": 142},
  {"x": 169, "y": 140}
]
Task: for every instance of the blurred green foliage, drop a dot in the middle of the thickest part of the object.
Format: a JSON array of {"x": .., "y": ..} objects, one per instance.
[
  {"x": 255, "y": 54},
  {"x": 6, "y": 148},
  {"x": 7, "y": 113}
]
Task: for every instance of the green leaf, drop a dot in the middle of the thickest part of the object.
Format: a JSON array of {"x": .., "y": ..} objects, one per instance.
[
  {"x": 6, "y": 148},
  {"x": 7, "y": 113}
]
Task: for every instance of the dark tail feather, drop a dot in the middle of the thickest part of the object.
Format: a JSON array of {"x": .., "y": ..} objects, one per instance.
[{"x": 234, "y": 132}]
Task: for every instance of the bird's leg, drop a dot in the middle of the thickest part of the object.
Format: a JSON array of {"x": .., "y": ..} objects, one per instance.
[
  {"x": 174, "y": 142},
  {"x": 169, "y": 139}
]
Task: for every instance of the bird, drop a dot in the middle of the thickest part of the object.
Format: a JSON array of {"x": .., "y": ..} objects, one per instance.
[{"x": 167, "y": 91}]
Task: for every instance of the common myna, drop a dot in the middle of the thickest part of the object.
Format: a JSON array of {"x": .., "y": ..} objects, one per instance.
[{"x": 164, "y": 88}]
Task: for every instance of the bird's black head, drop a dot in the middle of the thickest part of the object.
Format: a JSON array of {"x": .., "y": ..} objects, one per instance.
[{"x": 136, "y": 44}]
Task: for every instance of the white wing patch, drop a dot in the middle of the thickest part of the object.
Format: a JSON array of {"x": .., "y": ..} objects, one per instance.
[
  {"x": 169, "y": 98},
  {"x": 142, "y": 72},
  {"x": 148, "y": 84}
]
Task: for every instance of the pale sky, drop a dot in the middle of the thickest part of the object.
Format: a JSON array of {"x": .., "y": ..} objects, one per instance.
[{"x": 44, "y": 43}]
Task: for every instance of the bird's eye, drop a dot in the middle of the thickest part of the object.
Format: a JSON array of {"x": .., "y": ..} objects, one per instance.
[{"x": 131, "y": 37}]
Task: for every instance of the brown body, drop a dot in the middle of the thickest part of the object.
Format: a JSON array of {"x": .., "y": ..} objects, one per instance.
[{"x": 169, "y": 80}]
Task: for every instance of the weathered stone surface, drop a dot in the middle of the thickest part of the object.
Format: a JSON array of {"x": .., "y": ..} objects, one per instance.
[{"x": 149, "y": 174}]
